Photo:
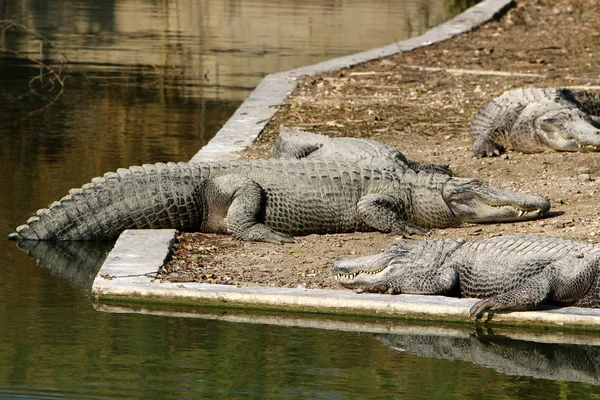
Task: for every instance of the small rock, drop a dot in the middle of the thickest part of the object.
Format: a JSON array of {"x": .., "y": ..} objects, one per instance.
[{"x": 584, "y": 177}]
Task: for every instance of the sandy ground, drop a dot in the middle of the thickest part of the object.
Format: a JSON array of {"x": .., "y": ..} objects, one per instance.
[{"x": 422, "y": 102}]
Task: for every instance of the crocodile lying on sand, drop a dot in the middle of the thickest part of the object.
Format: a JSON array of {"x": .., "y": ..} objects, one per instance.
[
  {"x": 510, "y": 273},
  {"x": 534, "y": 120},
  {"x": 270, "y": 200},
  {"x": 297, "y": 144}
]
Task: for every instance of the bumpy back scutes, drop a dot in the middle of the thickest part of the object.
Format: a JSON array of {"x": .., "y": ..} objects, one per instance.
[{"x": 151, "y": 196}]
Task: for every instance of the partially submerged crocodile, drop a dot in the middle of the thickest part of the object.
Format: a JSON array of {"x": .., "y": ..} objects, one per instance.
[
  {"x": 270, "y": 200},
  {"x": 509, "y": 272},
  {"x": 297, "y": 144},
  {"x": 534, "y": 120}
]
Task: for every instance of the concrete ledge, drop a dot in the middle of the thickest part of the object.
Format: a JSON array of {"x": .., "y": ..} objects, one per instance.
[
  {"x": 137, "y": 253},
  {"x": 127, "y": 276}
]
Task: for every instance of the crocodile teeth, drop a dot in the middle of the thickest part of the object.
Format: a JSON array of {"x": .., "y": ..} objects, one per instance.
[{"x": 521, "y": 212}]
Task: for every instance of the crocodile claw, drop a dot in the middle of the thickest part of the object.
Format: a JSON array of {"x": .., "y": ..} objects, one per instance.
[
  {"x": 263, "y": 233},
  {"x": 479, "y": 308}
]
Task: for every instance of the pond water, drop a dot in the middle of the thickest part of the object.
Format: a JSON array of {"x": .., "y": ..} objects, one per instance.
[{"x": 153, "y": 80}]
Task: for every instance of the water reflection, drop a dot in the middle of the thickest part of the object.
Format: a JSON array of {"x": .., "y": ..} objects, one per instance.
[
  {"x": 510, "y": 353},
  {"x": 539, "y": 354},
  {"x": 78, "y": 262},
  {"x": 217, "y": 48}
]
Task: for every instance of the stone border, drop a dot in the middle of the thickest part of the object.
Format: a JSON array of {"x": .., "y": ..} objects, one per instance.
[
  {"x": 362, "y": 325},
  {"x": 127, "y": 276},
  {"x": 128, "y": 272},
  {"x": 256, "y": 111}
]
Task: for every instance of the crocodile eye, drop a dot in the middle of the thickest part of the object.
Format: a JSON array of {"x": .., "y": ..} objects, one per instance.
[
  {"x": 548, "y": 126},
  {"x": 475, "y": 181}
]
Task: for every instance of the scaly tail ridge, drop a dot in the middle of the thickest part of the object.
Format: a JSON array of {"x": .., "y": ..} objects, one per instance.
[{"x": 151, "y": 196}]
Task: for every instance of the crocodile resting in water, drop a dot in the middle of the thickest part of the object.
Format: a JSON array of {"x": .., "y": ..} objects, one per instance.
[
  {"x": 270, "y": 200},
  {"x": 510, "y": 273},
  {"x": 297, "y": 144},
  {"x": 534, "y": 120}
]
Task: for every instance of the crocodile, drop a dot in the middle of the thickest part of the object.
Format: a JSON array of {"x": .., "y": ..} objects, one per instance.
[
  {"x": 297, "y": 144},
  {"x": 509, "y": 273},
  {"x": 534, "y": 120},
  {"x": 271, "y": 200}
]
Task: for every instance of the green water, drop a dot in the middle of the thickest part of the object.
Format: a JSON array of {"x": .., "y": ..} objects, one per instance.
[{"x": 151, "y": 81}]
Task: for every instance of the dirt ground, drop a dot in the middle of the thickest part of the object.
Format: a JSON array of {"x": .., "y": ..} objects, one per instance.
[{"x": 421, "y": 102}]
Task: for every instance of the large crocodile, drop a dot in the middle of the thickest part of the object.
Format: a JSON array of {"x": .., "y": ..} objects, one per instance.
[
  {"x": 269, "y": 200},
  {"x": 297, "y": 144},
  {"x": 509, "y": 272},
  {"x": 534, "y": 120}
]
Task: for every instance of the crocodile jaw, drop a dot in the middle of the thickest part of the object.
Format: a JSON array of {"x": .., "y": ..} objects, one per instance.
[
  {"x": 368, "y": 273},
  {"x": 567, "y": 132},
  {"x": 475, "y": 203}
]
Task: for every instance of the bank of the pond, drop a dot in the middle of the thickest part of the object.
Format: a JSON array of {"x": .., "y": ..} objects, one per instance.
[
  {"x": 414, "y": 102},
  {"x": 128, "y": 276}
]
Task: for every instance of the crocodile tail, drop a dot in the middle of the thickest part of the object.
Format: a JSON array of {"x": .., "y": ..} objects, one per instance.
[
  {"x": 296, "y": 144},
  {"x": 151, "y": 196}
]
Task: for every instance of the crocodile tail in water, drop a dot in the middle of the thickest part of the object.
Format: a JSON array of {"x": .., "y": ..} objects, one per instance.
[{"x": 151, "y": 196}]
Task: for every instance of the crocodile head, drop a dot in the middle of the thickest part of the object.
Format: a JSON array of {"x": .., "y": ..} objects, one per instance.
[
  {"x": 404, "y": 268},
  {"x": 472, "y": 202},
  {"x": 566, "y": 129}
]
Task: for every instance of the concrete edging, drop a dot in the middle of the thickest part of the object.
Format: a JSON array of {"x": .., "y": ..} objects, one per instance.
[
  {"x": 127, "y": 276},
  {"x": 128, "y": 273}
]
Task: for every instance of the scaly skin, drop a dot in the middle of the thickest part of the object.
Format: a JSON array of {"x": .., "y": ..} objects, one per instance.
[
  {"x": 270, "y": 200},
  {"x": 297, "y": 144},
  {"x": 510, "y": 273},
  {"x": 535, "y": 120}
]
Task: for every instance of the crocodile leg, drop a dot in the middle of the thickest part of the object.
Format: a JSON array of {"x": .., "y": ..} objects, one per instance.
[
  {"x": 527, "y": 296},
  {"x": 242, "y": 202},
  {"x": 385, "y": 213},
  {"x": 483, "y": 146},
  {"x": 564, "y": 280}
]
